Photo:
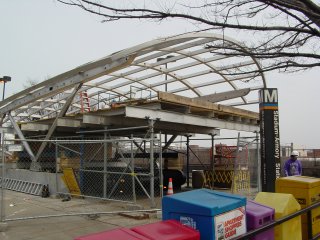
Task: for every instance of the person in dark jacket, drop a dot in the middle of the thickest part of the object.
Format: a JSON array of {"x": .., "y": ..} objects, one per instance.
[{"x": 292, "y": 166}]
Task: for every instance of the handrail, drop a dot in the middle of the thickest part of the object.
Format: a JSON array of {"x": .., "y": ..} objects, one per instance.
[{"x": 282, "y": 220}]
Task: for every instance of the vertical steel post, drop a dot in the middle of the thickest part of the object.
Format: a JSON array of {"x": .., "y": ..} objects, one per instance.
[
  {"x": 258, "y": 162},
  {"x": 161, "y": 166},
  {"x": 235, "y": 169},
  {"x": 57, "y": 165},
  {"x": 133, "y": 172},
  {"x": 105, "y": 155},
  {"x": 212, "y": 157},
  {"x": 151, "y": 125},
  {"x": 2, "y": 205},
  {"x": 81, "y": 172},
  {"x": 188, "y": 155}
]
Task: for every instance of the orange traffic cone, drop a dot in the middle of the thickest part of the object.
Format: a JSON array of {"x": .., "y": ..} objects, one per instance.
[{"x": 170, "y": 187}]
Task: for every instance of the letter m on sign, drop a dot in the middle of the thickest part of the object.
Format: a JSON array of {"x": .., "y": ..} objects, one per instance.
[{"x": 269, "y": 95}]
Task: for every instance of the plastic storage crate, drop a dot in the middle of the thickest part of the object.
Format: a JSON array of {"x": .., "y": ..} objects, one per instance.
[
  {"x": 283, "y": 204},
  {"x": 216, "y": 215},
  {"x": 257, "y": 216},
  {"x": 167, "y": 230},
  {"x": 306, "y": 190}
]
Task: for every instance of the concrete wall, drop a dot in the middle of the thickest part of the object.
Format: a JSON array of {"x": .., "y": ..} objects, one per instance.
[{"x": 52, "y": 179}]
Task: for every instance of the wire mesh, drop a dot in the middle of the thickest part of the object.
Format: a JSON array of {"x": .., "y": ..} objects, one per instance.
[{"x": 114, "y": 169}]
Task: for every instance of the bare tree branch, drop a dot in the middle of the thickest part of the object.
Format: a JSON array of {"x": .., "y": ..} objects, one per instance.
[{"x": 284, "y": 34}]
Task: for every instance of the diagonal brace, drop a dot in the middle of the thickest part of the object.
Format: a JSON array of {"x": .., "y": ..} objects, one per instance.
[
  {"x": 20, "y": 134},
  {"x": 54, "y": 124}
]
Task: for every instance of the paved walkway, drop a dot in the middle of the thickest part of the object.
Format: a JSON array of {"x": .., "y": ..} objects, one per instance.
[{"x": 19, "y": 205}]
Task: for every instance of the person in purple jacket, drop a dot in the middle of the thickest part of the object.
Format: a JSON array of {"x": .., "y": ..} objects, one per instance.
[{"x": 292, "y": 166}]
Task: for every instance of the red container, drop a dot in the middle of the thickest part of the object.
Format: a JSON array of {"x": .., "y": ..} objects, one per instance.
[
  {"x": 116, "y": 234},
  {"x": 167, "y": 230}
]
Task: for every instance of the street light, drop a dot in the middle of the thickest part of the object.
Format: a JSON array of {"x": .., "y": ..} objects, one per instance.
[
  {"x": 166, "y": 65},
  {"x": 4, "y": 79}
]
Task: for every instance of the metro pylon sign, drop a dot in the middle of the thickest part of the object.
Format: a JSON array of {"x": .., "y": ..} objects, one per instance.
[{"x": 270, "y": 138}]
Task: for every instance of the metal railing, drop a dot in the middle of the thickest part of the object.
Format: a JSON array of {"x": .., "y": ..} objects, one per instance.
[{"x": 307, "y": 210}]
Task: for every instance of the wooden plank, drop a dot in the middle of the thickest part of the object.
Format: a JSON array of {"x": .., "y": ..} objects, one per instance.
[{"x": 221, "y": 109}]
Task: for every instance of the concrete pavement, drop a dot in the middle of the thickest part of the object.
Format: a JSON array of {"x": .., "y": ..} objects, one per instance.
[{"x": 19, "y": 205}]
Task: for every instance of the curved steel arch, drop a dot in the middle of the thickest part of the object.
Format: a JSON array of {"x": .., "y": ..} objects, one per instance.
[{"x": 139, "y": 65}]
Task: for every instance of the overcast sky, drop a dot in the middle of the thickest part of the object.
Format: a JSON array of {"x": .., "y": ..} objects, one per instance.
[{"x": 42, "y": 38}]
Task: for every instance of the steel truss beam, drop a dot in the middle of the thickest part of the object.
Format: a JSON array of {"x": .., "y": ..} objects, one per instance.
[
  {"x": 21, "y": 136},
  {"x": 54, "y": 124}
]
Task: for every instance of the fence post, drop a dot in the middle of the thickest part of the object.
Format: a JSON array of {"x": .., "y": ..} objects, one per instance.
[
  {"x": 151, "y": 125},
  {"x": 105, "y": 155},
  {"x": 258, "y": 162},
  {"x": 2, "y": 216},
  {"x": 160, "y": 166},
  {"x": 212, "y": 156},
  {"x": 57, "y": 164},
  {"x": 188, "y": 156},
  {"x": 133, "y": 171}
]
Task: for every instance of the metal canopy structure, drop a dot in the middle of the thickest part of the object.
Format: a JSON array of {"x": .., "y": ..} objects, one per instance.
[{"x": 180, "y": 65}]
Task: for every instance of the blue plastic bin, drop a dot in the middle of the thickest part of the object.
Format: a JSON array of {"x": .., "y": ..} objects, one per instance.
[{"x": 216, "y": 215}]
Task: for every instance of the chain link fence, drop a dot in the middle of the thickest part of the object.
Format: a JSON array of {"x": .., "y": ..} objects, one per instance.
[
  {"x": 127, "y": 170},
  {"x": 135, "y": 170},
  {"x": 230, "y": 164}
]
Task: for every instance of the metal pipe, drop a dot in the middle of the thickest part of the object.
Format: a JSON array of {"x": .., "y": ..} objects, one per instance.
[
  {"x": 75, "y": 141},
  {"x": 113, "y": 130},
  {"x": 20, "y": 134},
  {"x": 2, "y": 205},
  {"x": 133, "y": 173},
  {"x": 212, "y": 158},
  {"x": 119, "y": 173},
  {"x": 207, "y": 139},
  {"x": 188, "y": 155},
  {"x": 161, "y": 166},
  {"x": 259, "y": 163},
  {"x": 151, "y": 123},
  {"x": 80, "y": 214},
  {"x": 57, "y": 165},
  {"x": 105, "y": 148}
]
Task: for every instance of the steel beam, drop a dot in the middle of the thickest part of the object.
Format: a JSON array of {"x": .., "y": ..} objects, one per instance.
[
  {"x": 170, "y": 128},
  {"x": 136, "y": 112},
  {"x": 68, "y": 122},
  {"x": 55, "y": 123},
  {"x": 35, "y": 127},
  {"x": 21, "y": 136},
  {"x": 173, "y": 137},
  {"x": 63, "y": 82}
]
